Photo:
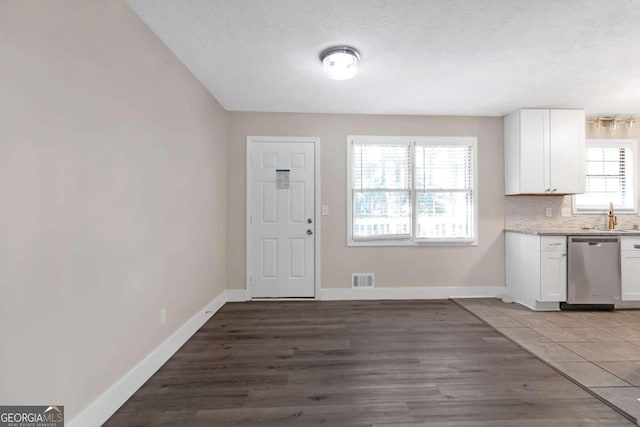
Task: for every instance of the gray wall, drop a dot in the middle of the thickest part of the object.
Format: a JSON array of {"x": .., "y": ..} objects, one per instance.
[
  {"x": 112, "y": 198},
  {"x": 481, "y": 265}
]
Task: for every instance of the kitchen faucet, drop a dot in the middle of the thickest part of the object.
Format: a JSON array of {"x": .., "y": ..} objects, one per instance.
[{"x": 613, "y": 220}]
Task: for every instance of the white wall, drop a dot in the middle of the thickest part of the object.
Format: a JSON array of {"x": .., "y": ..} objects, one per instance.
[
  {"x": 481, "y": 265},
  {"x": 112, "y": 198}
]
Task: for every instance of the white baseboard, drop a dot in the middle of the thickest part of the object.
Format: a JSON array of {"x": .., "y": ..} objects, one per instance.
[
  {"x": 440, "y": 292},
  {"x": 108, "y": 402},
  {"x": 237, "y": 295},
  {"x": 337, "y": 294}
]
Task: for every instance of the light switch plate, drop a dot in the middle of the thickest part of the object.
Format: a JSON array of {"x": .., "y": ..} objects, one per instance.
[
  {"x": 566, "y": 212},
  {"x": 325, "y": 210},
  {"x": 548, "y": 211}
]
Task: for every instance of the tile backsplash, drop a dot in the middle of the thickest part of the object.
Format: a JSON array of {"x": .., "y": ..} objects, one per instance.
[{"x": 529, "y": 212}]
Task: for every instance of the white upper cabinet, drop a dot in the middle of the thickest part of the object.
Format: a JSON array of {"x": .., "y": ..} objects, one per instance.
[{"x": 544, "y": 152}]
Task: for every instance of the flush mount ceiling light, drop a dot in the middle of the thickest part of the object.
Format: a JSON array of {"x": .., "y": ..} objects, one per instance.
[{"x": 340, "y": 62}]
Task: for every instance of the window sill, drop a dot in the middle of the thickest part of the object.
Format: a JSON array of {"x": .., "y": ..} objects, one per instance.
[
  {"x": 603, "y": 212},
  {"x": 409, "y": 243}
]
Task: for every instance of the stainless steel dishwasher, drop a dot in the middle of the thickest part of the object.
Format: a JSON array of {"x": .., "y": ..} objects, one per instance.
[{"x": 594, "y": 272}]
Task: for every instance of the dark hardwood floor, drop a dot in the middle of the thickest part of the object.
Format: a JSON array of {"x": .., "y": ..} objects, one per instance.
[{"x": 428, "y": 363}]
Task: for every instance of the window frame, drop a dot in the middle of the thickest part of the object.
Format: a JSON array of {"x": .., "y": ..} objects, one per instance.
[
  {"x": 412, "y": 141},
  {"x": 631, "y": 144}
]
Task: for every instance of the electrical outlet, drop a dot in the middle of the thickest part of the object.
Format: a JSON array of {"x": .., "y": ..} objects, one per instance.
[
  {"x": 163, "y": 317},
  {"x": 566, "y": 212},
  {"x": 549, "y": 211}
]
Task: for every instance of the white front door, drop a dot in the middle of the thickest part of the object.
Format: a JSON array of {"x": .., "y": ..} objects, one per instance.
[{"x": 282, "y": 219}]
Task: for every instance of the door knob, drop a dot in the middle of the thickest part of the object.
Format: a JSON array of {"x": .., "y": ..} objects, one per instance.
[
  {"x": 309, "y": 221},
  {"x": 309, "y": 232}
]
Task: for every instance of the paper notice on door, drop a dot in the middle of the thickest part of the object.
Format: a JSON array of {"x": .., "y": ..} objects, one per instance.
[{"x": 282, "y": 179}]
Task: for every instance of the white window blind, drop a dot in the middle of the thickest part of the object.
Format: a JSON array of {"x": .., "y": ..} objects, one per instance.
[
  {"x": 412, "y": 190},
  {"x": 381, "y": 191},
  {"x": 611, "y": 172},
  {"x": 444, "y": 191}
]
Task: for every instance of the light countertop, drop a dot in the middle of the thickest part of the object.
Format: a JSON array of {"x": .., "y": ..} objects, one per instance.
[{"x": 575, "y": 232}]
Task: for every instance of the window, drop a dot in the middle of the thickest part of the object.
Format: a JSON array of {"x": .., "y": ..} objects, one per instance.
[
  {"x": 411, "y": 191},
  {"x": 611, "y": 177}
]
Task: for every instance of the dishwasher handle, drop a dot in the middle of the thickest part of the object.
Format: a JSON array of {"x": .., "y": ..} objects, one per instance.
[{"x": 592, "y": 241}]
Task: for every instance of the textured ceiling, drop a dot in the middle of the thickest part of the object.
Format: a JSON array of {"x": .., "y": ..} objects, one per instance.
[{"x": 459, "y": 57}]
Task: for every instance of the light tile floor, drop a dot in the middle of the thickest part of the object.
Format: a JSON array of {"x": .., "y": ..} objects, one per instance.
[{"x": 598, "y": 349}]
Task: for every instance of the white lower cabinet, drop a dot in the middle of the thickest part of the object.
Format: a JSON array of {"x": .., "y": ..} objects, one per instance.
[
  {"x": 630, "y": 268},
  {"x": 553, "y": 276},
  {"x": 536, "y": 269}
]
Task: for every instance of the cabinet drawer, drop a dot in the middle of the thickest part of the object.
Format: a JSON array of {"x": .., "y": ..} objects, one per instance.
[
  {"x": 553, "y": 243},
  {"x": 630, "y": 243}
]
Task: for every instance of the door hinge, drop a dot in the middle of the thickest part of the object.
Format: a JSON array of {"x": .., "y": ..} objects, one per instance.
[{"x": 250, "y": 219}]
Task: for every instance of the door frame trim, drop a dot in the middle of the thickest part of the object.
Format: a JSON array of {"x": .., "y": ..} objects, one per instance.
[{"x": 251, "y": 140}]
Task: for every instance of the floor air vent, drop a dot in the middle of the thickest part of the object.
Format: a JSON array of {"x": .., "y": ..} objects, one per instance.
[{"x": 362, "y": 280}]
